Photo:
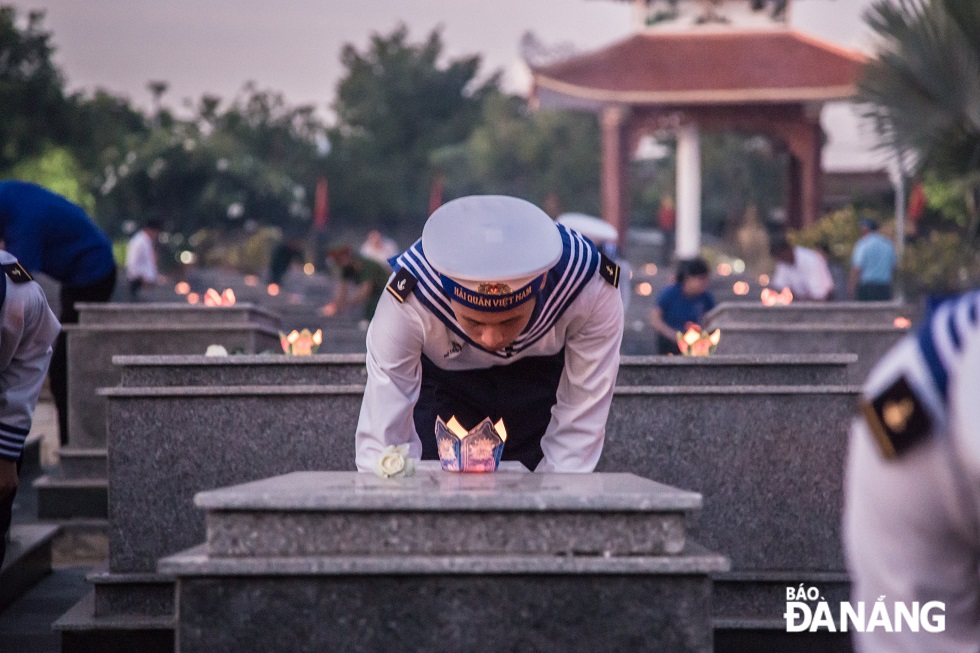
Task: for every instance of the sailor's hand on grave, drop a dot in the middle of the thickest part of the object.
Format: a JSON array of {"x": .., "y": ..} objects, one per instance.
[{"x": 8, "y": 477}]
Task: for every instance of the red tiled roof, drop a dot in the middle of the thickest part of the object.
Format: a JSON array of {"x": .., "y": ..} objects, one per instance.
[{"x": 708, "y": 68}]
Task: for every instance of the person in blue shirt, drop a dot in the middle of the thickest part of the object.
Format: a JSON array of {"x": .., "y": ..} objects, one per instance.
[
  {"x": 49, "y": 234},
  {"x": 681, "y": 304},
  {"x": 872, "y": 265}
]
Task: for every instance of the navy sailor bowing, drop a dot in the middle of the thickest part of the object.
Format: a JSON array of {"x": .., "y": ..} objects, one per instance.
[{"x": 496, "y": 312}]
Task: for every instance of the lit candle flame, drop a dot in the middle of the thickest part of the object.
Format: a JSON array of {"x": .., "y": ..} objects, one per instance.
[
  {"x": 213, "y": 298},
  {"x": 695, "y": 342},
  {"x": 301, "y": 343},
  {"x": 772, "y": 298}
]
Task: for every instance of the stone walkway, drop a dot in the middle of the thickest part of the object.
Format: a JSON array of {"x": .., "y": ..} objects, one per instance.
[{"x": 25, "y": 627}]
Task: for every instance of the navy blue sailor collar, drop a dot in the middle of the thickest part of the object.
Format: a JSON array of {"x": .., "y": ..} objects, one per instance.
[{"x": 563, "y": 283}]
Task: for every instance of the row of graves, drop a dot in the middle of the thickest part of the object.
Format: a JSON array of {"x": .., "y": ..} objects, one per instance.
[{"x": 234, "y": 519}]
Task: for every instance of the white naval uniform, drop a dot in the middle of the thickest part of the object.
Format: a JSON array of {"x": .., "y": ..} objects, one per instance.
[
  {"x": 579, "y": 312},
  {"x": 912, "y": 523},
  {"x": 28, "y": 328}
]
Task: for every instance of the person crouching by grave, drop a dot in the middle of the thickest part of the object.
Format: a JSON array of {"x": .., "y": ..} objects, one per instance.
[
  {"x": 28, "y": 328},
  {"x": 49, "y": 234},
  {"x": 141, "y": 258},
  {"x": 912, "y": 490},
  {"x": 495, "y": 312},
  {"x": 367, "y": 277},
  {"x": 802, "y": 270},
  {"x": 682, "y": 304}
]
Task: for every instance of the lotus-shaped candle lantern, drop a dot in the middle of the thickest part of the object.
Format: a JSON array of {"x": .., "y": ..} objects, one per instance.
[
  {"x": 695, "y": 342},
  {"x": 301, "y": 343},
  {"x": 477, "y": 450},
  {"x": 213, "y": 298},
  {"x": 772, "y": 298}
]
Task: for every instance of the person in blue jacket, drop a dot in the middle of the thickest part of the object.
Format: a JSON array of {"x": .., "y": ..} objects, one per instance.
[
  {"x": 51, "y": 235},
  {"x": 682, "y": 304}
]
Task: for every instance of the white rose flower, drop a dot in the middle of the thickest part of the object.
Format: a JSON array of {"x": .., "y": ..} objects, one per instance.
[
  {"x": 394, "y": 461},
  {"x": 216, "y": 350}
]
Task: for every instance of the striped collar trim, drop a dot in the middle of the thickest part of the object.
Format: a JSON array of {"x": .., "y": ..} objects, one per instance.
[{"x": 566, "y": 279}]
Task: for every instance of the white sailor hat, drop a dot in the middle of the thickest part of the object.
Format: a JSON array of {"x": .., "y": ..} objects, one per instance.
[
  {"x": 491, "y": 251},
  {"x": 595, "y": 229}
]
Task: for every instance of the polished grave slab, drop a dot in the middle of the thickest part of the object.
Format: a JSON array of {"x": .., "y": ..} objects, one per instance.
[{"x": 442, "y": 561}]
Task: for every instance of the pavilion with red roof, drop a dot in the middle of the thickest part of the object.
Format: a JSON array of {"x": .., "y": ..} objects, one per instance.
[{"x": 767, "y": 79}]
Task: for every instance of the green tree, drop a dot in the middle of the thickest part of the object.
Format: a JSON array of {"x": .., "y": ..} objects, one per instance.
[
  {"x": 541, "y": 156},
  {"x": 254, "y": 162},
  {"x": 924, "y": 86},
  {"x": 58, "y": 170},
  {"x": 395, "y": 105},
  {"x": 103, "y": 126},
  {"x": 33, "y": 110}
]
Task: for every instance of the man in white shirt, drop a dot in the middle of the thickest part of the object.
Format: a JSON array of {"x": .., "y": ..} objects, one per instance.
[
  {"x": 496, "y": 312},
  {"x": 804, "y": 271},
  {"x": 141, "y": 258}
]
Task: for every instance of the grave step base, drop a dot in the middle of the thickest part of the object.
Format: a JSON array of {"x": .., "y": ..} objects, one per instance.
[
  {"x": 82, "y": 464},
  {"x": 83, "y": 632},
  {"x": 755, "y": 597},
  {"x": 119, "y": 594},
  {"x": 59, "y": 498},
  {"x": 752, "y": 636}
]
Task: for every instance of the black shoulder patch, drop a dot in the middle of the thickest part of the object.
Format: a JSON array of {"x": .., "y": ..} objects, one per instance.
[
  {"x": 897, "y": 419},
  {"x": 402, "y": 285},
  {"x": 17, "y": 272},
  {"x": 609, "y": 270}
]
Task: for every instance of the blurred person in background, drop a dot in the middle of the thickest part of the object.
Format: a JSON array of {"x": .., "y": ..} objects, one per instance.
[
  {"x": 872, "y": 265},
  {"x": 50, "y": 235},
  {"x": 379, "y": 248},
  {"x": 802, "y": 270},
  {"x": 141, "y": 258},
  {"x": 682, "y": 304},
  {"x": 367, "y": 277},
  {"x": 286, "y": 252}
]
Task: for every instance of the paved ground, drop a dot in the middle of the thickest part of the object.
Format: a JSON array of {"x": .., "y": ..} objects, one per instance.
[{"x": 25, "y": 627}]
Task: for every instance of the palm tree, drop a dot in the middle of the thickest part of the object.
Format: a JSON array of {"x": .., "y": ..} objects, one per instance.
[{"x": 924, "y": 87}]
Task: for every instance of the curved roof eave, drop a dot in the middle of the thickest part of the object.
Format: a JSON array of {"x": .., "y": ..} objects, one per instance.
[{"x": 698, "y": 97}]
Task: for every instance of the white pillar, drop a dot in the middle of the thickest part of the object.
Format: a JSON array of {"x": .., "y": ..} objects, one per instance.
[{"x": 688, "y": 229}]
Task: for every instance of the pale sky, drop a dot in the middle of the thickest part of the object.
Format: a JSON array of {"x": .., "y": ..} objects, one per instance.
[{"x": 293, "y": 46}]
